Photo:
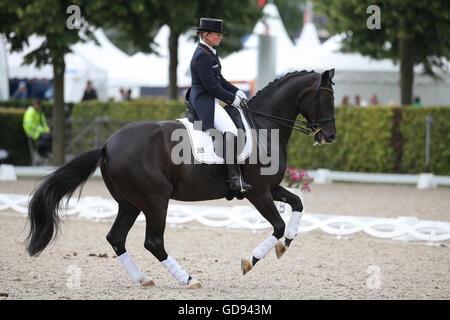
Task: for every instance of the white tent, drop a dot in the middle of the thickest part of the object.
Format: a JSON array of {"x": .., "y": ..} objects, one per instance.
[
  {"x": 271, "y": 24},
  {"x": 357, "y": 74},
  {"x": 306, "y": 46},
  {"x": 120, "y": 68},
  {"x": 154, "y": 68},
  {"x": 78, "y": 71},
  {"x": 242, "y": 65}
]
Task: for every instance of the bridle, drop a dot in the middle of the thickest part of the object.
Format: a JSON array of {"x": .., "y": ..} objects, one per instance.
[{"x": 312, "y": 127}]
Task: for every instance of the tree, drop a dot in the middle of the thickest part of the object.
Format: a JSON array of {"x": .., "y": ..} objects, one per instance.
[
  {"x": 239, "y": 18},
  {"x": 181, "y": 16},
  {"x": 411, "y": 33},
  {"x": 291, "y": 13},
  {"x": 135, "y": 20},
  {"x": 51, "y": 19}
]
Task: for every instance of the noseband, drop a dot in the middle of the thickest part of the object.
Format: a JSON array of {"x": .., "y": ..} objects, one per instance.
[
  {"x": 317, "y": 125},
  {"x": 312, "y": 127}
]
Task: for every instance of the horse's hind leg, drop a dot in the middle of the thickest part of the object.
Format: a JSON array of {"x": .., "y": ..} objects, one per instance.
[
  {"x": 117, "y": 236},
  {"x": 281, "y": 194},
  {"x": 155, "y": 216}
]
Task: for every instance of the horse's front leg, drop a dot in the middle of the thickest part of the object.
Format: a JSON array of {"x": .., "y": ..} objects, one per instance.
[
  {"x": 281, "y": 194},
  {"x": 263, "y": 202}
]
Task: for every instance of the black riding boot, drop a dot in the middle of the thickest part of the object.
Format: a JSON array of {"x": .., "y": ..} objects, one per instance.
[{"x": 235, "y": 181}]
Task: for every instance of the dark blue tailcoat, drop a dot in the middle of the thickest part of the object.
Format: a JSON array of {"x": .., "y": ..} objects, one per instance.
[{"x": 207, "y": 84}]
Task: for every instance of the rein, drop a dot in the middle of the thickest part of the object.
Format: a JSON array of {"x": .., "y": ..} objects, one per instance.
[{"x": 313, "y": 127}]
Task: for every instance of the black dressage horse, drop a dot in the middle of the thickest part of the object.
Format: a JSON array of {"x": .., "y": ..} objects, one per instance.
[{"x": 137, "y": 169}]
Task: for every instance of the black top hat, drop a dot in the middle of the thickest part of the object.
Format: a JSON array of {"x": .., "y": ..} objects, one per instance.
[{"x": 210, "y": 24}]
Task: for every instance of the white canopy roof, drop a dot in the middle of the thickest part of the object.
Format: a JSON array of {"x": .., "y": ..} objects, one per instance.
[
  {"x": 328, "y": 56},
  {"x": 78, "y": 71},
  {"x": 242, "y": 65},
  {"x": 153, "y": 69}
]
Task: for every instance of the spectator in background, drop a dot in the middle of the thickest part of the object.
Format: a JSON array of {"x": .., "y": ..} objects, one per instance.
[
  {"x": 21, "y": 92},
  {"x": 89, "y": 92},
  {"x": 345, "y": 101},
  {"x": 374, "y": 100},
  {"x": 393, "y": 103},
  {"x": 358, "y": 102},
  {"x": 36, "y": 128},
  {"x": 416, "y": 102},
  {"x": 123, "y": 94}
]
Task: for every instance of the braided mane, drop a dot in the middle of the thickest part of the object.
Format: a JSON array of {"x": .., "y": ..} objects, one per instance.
[{"x": 275, "y": 83}]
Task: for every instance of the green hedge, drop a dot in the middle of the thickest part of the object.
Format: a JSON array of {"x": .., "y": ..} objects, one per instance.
[
  {"x": 413, "y": 128},
  {"x": 128, "y": 111},
  {"x": 371, "y": 139},
  {"x": 378, "y": 139},
  {"x": 122, "y": 112},
  {"x": 47, "y": 106},
  {"x": 12, "y": 136},
  {"x": 362, "y": 144}
]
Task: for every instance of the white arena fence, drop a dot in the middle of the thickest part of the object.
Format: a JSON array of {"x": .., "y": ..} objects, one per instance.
[
  {"x": 422, "y": 181},
  {"x": 246, "y": 217}
]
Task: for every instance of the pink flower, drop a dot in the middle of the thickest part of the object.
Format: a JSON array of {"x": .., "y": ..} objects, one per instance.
[{"x": 301, "y": 176}]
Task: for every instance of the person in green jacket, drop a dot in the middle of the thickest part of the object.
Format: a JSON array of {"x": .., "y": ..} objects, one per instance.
[{"x": 36, "y": 128}]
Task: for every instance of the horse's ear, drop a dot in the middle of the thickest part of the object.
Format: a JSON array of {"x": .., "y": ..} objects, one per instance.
[
  {"x": 324, "y": 77},
  {"x": 327, "y": 76},
  {"x": 331, "y": 74}
]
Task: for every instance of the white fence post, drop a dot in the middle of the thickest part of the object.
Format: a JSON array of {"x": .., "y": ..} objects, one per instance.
[{"x": 7, "y": 172}]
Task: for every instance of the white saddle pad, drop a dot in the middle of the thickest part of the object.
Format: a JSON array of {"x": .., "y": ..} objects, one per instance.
[{"x": 203, "y": 147}]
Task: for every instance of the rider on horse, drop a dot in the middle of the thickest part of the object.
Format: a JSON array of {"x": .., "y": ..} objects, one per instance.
[{"x": 208, "y": 88}]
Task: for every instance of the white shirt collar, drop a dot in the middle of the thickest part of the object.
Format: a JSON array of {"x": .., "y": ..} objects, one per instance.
[{"x": 210, "y": 48}]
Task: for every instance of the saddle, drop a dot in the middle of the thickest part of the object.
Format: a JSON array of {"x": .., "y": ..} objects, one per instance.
[{"x": 202, "y": 143}]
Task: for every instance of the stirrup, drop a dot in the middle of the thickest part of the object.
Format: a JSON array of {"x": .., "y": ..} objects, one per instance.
[{"x": 241, "y": 185}]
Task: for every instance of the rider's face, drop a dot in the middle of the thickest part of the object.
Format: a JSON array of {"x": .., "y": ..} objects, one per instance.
[{"x": 213, "y": 38}]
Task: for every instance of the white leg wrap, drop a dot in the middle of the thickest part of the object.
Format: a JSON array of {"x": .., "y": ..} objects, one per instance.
[
  {"x": 130, "y": 266},
  {"x": 176, "y": 270},
  {"x": 293, "y": 224},
  {"x": 264, "y": 248}
]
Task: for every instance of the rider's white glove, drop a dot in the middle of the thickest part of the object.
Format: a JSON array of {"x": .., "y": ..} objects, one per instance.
[
  {"x": 237, "y": 101},
  {"x": 241, "y": 94}
]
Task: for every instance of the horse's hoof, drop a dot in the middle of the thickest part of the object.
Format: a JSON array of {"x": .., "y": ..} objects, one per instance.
[
  {"x": 194, "y": 284},
  {"x": 246, "y": 266},
  {"x": 147, "y": 282},
  {"x": 280, "y": 249}
]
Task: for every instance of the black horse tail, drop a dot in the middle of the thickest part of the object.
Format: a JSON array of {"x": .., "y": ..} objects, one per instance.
[{"x": 44, "y": 205}]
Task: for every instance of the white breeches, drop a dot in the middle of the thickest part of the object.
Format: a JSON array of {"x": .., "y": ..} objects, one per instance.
[{"x": 222, "y": 120}]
